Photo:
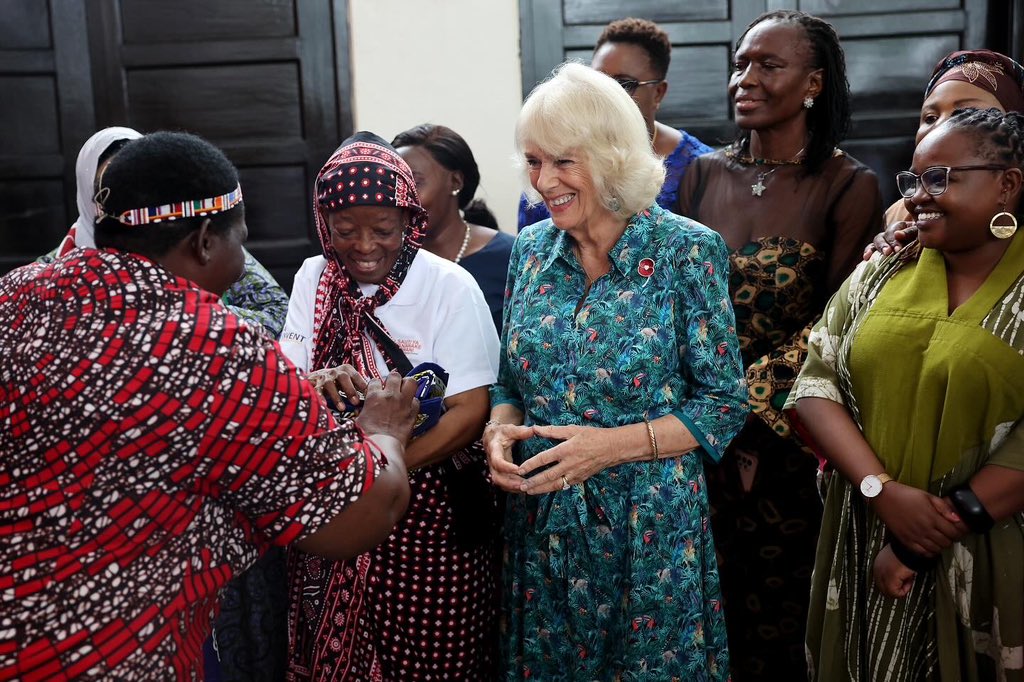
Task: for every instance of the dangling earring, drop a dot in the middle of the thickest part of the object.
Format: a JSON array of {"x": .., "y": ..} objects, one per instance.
[
  {"x": 1002, "y": 231},
  {"x": 808, "y": 102},
  {"x": 614, "y": 205}
]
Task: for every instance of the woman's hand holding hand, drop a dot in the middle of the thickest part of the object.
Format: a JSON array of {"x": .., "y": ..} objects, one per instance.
[
  {"x": 344, "y": 378},
  {"x": 498, "y": 440},
  {"x": 892, "y": 240},
  {"x": 391, "y": 408},
  {"x": 892, "y": 578},
  {"x": 584, "y": 451},
  {"x": 924, "y": 523}
]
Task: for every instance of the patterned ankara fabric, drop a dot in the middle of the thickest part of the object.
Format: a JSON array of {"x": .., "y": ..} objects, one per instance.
[
  {"x": 962, "y": 619},
  {"x": 616, "y": 578},
  {"x": 676, "y": 163},
  {"x": 151, "y": 444},
  {"x": 789, "y": 249},
  {"x": 257, "y": 297},
  {"x": 364, "y": 171},
  {"x": 419, "y": 606}
]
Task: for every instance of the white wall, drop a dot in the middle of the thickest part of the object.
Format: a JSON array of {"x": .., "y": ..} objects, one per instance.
[{"x": 450, "y": 62}]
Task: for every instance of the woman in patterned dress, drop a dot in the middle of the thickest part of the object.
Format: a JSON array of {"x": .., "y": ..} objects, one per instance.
[
  {"x": 795, "y": 212},
  {"x": 619, "y": 374},
  {"x": 919, "y": 574},
  {"x": 152, "y": 444},
  {"x": 423, "y": 604},
  {"x": 637, "y": 53}
]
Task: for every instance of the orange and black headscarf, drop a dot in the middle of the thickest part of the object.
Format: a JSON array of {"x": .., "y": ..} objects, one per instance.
[{"x": 364, "y": 171}]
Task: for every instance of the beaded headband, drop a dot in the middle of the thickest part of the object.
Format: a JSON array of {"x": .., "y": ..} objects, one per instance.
[{"x": 181, "y": 209}]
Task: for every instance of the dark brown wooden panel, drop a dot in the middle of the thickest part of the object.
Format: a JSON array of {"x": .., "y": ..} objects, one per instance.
[
  {"x": 278, "y": 202},
  {"x": 149, "y": 21},
  {"x": 695, "y": 76},
  {"x": 890, "y": 73},
  {"x": 826, "y": 8},
  {"x": 32, "y": 219},
  {"x": 29, "y": 115},
  {"x": 603, "y": 11},
  {"x": 219, "y": 102},
  {"x": 25, "y": 26}
]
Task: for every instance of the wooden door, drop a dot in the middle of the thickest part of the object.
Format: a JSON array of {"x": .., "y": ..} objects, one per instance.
[
  {"x": 45, "y": 116},
  {"x": 256, "y": 78},
  {"x": 891, "y": 47},
  {"x": 267, "y": 81}
]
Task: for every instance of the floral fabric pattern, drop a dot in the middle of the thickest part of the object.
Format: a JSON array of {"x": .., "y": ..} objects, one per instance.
[{"x": 616, "y": 578}]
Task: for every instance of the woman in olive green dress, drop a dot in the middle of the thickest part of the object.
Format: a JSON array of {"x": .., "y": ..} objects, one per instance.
[{"x": 919, "y": 573}]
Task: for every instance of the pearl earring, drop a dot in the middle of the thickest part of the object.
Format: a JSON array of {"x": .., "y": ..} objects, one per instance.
[{"x": 455, "y": 192}]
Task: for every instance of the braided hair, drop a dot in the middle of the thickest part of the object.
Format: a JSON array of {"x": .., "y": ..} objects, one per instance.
[
  {"x": 999, "y": 135},
  {"x": 829, "y": 120}
]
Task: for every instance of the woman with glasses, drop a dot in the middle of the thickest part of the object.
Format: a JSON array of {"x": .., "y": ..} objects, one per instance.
[
  {"x": 636, "y": 53},
  {"x": 972, "y": 78},
  {"x": 795, "y": 212},
  {"x": 919, "y": 572}
]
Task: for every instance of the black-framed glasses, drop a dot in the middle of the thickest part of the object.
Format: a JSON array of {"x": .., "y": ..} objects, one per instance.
[
  {"x": 935, "y": 180},
  {"x": 631, "y": 84}
]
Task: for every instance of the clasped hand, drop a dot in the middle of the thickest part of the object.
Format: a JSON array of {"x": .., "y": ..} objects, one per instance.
[
  {"x": 924, "y": 523},
  {"x": 389, "y": 406},
  {"x": 582, "y": 452}
]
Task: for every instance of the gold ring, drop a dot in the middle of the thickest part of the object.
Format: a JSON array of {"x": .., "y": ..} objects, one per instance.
[{"x": 565, "y": 483}]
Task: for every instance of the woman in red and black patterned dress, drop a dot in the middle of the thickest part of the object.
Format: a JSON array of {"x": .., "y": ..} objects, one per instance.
[
  {"x": 422, "y": 605},
  {"x": 153, "y": 444}
]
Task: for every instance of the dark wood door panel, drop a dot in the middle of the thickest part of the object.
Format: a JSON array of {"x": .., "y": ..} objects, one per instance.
[
  {"x": 603, "y": 11},
  {"x": 197, "y": 21},
  {"x": 223, "y": 103}
]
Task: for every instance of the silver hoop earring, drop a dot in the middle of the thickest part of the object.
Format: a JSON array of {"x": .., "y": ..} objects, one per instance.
[
  {"x": 1002, "y": 231},
  {"x": 808, "y": 102}
]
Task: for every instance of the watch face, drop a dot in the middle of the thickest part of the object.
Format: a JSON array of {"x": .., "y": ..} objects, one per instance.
[{"x": 870, "y": 486}]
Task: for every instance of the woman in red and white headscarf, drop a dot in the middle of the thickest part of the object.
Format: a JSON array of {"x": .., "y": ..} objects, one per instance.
[{"x": 423, "y": 604}]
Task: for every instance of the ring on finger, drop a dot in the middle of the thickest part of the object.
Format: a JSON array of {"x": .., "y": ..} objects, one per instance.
[{"x": 565, "y": 483}]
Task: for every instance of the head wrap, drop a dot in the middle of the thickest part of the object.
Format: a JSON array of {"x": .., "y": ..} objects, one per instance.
[
  {"x": 993, "y": 72},
  {"x": 81, "y": 233},
  {"x": 364, "y": 171}
]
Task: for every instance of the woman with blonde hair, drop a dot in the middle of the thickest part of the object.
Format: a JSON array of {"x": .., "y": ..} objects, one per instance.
[{"x": 619, "y": 373}]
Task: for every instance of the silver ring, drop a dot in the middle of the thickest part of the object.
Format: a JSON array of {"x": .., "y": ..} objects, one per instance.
[{"x": 565, "y": 483}]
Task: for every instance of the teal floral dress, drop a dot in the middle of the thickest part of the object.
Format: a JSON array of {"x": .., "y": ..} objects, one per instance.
[{"x": 615, "y": 579}]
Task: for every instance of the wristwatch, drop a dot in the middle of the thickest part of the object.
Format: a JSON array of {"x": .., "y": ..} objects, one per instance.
[{"x": 871, "y": 485}]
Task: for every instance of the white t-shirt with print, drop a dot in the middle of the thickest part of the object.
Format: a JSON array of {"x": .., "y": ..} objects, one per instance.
[{"x": 438, "y": 315}]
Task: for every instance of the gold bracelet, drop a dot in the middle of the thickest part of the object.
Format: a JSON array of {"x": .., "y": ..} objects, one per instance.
[{"x": 654, "y": 441}]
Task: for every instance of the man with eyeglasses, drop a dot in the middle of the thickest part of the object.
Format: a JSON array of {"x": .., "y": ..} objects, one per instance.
[{"x": 636, "y": 53}]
